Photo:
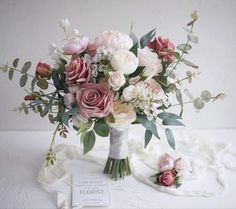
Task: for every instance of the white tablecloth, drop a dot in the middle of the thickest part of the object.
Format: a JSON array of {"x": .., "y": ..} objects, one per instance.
[{"x": 22, "y": 153}]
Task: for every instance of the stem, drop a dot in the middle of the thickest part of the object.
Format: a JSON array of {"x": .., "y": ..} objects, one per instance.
[
  {"x": 187, "y": 102},
  {"x": 54, "y": 136},
  {"x": 32, "y": 76},
  {"x": 182, "y": 54}
]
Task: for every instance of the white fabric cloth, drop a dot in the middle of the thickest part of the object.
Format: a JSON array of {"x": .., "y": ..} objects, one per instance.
[{"x": 204, "y": 156}]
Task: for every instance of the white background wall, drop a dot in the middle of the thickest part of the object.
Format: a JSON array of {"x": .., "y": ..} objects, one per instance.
[{"x": 27, "y": 27}]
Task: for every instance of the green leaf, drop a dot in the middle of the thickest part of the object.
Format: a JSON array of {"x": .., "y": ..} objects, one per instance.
[
  {"x": 171, "y": 122},
  {"x": 134, "y": 49},
  {"x": 184, "y": 47},
  {"x": 43, "y": 84},
  {"x": 110, "y": 118},
  {"x": 147, "y": 38},
  {"x": 137, "y": 72},
  {"x": 10, "y": 74},
  {"x": 23, "y": 80},
  {"x": 170, "y": 138},
  {"x": 149, "y": 125},
  {"x": 164, "y": 115},
  {"x": 198, "y": 103},
  {"x": 134, "y": 38},
  {"x": 15, "y": 62},
  {"x": 193, "y": 38},
  {"x": 206, "y": 96},
  {"x": 101, "y": 129},
  {"x": 33, "y": 82},
  {"x": 148, "y": 137},
  {"x": 51, "y": 118},
  {"x": 65, "y": 118},
  {"x": 26, "y": 67},
  {"x": 190, "y": 64},
  {"x": 89, "y": 141},
  {"x": 179, "y": 98}
]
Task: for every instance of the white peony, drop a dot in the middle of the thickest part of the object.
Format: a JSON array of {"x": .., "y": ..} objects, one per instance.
[
  {"x": 124, "y": 115},
  {"x": 129, "y": 93},
  {"x": 151, "y": 62},
  {"x": 124, "y": 61},
  {"x": 116, "y": 80},
  {"x": 113, "y": 39}
]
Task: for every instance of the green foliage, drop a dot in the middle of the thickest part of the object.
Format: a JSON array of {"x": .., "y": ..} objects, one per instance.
[
  {"x": 23, "y": 80},
  {"x": 165, "y": 115},
  {"x": 101, "y": 128},
  {"x": 206, "y": 96},
  {"x": 171, "y": 122},
  {"x": 193, "y": 39},
  {"x": 15, "y": 62},
  {"x": 170, "y": 138},
  {"x": 134, "y": 49},
  {"x": 148, "y": 137},
  {"x": 10, "y": 74},
  {"x": 184, "y": 48},
  {"x": 190, "y": 64},
  {"x": 88, "y": 141},
  {"x": 42, "y": 83},
  {"x": 26, "y": 67},
  {"x": 147, "y": 38},
  {"x": 138, "y": 71},
  {"x": 179, "y": 98},
  {"x": 198, "y": 103}
]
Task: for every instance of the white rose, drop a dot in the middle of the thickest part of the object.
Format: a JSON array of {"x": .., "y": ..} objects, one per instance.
[
  {"x": 69, "y": 99},
  {"x": 124, "y": 115},
  {"x": 113, "y": 39},
  {"x": 116, "y": 80},
  {"x": 124, "y": 61},
  {"x": 151, "y": 62},
  {"x": 129, "y": 93}
]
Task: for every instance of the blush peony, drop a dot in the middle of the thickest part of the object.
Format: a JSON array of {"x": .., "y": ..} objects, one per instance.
[{"x": 75, "y": 46}]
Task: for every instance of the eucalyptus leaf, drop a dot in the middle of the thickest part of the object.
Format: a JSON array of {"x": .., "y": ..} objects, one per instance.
[
  {"x": 65, "y": 118},
  {"x": 43, "y": 84},
  {"x": 51, "y": 118},
  {"x": 164, "y": 115},
  {"x": 170, "y": 138},
  {"x": 23, "y": 80},
  {"x": 184, "y": 47},
  {"x": 15, "y": 62},
  {"x": 206, "y": 96},
  {"x": 10, "y": 74},
  {"x": 147, "y": 38},
  {"x": 148, "y": 137},
  {"x": 188, "y": 94},
  {"x": 88, "y": 141},
  {"x": 193, "y": 38},
  {"x": 26, "y": 67},
  {"x": 190, "y": 64},
  {"x": 171, "y": 122},
  {"x": 134, "y": 38},
  {"x": 137, "y": 72},
  {"x": 134, "y": 49},
  {"x": 33, "y": 82},
  {"x": 198, "y": 103}
]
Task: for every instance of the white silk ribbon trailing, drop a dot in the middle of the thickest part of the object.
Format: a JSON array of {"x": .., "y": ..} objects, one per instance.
[{"x": 203, "y": 155}]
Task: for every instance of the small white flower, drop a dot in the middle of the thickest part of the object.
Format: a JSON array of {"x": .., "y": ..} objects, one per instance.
[
  {"x": 129, "y": 93},
  {"x": 76, "y": 32},
  {"x": 116, "y": 80},
  {"x": 64, "y": 24}
]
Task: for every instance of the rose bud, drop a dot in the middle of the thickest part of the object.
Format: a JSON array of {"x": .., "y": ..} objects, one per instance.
[
  {"x": 166, "y": 178},
  {"x": 28, "y": 98},
  {"x": 43, "y": 70}
]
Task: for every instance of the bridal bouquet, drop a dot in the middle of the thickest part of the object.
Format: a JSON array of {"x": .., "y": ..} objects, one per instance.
[{"x": 104, "y": 86}]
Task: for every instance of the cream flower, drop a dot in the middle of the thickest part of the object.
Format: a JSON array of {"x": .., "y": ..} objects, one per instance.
[
  {"x": 116, "y": 80},
  {"x": 113, "y": 39},
  {"x": 129, "y": 93},
  {"x": 150, "y": 61},
  {"x": 124, "y": 115},
  {"x": 124, "y": 61}
]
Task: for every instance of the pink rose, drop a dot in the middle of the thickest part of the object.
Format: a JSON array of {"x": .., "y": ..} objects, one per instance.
[
  {"x": 75, "y": 46},
  {"x": 43, "y": 70},
  {"x": 155, "y": 87},
  {"x": 77, "y": 72},
  {"x": 166, "y": 178},
  {"x": 94, "y": 100},
  {"x": 166, "y": 162},
  {"x": 180, "y": 164},
  {"x": 113, "y": 39},
  {"x": 159, "y": 45}
]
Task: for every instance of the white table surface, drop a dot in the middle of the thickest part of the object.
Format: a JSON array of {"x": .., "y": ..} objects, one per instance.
[{"x": 22, "y": 153}]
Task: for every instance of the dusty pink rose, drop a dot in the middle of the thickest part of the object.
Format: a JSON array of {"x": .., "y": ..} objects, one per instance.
[
  {"x": 166, "y": 178},
  {"x": 43, "y": 70},
  {"x": 113, "y": 39},
  {"x": 75, "y": 46},
  {"x": 77, "y": 72},
  {"x": 166, "y": 162},
  {"x": 94, "y": 100},
  {"x": 155, "y": 87},
  {"x": 159, "y": 45},
  {"x": 180, "y": 164}
]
